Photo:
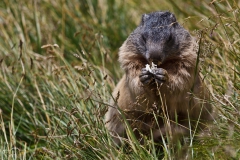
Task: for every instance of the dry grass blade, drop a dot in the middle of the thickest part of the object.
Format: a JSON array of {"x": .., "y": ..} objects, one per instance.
[{"x": 59, "y": 66}]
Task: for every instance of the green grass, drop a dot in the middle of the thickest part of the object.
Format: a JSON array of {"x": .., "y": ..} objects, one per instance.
[{"x": 53, "y": 100}]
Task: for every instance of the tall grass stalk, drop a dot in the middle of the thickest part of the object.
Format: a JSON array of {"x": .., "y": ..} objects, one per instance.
[{"x": 58, "y": 63}]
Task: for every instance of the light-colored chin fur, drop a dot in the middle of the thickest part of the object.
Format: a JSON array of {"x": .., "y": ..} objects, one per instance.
[{"x": 183, "y": 94}]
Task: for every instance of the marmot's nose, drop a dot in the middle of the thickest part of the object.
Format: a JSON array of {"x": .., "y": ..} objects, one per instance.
[
  {"x": 154, "y": 56},
  {"x": 158, "y": 61}
]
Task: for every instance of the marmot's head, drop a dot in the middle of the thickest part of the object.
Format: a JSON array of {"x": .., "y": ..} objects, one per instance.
[{"x": 159, "y": 37}]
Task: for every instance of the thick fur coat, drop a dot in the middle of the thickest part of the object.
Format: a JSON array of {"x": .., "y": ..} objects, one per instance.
[{"x": 169, "y": 99}]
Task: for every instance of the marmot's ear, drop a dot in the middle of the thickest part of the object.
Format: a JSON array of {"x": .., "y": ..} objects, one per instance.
[
  {"x": 144, "y": 17},
  {"x": 173, "y": 18}
]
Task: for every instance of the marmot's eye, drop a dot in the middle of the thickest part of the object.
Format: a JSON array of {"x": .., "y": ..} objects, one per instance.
[
  {"x": 144, "y": 38},
  {"x": 170, "y": 39}
]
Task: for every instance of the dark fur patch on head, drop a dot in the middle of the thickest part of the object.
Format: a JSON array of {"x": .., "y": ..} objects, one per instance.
[
  {"x": 158, "y": 19},
  {"x": 159, "y": 36}
]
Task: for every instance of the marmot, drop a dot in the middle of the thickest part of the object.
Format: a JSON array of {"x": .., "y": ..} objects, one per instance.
[{"x": 168, "y": 98}]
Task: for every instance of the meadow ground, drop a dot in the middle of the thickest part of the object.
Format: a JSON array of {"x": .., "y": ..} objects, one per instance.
[{"x": 58, "y": 63}]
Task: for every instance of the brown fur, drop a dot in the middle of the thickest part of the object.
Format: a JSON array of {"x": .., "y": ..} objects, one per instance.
[{"x": 183, "y": 96}]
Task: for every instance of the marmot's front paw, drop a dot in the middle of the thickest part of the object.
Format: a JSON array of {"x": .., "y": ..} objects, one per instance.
[
  {"x": 160, "y": 75},
  {"x": 146, "y": 77}
]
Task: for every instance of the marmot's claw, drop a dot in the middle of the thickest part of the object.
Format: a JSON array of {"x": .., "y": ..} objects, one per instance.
[
  {"x": 160, "y": 75},
  {"x": 146, "y": 77}
]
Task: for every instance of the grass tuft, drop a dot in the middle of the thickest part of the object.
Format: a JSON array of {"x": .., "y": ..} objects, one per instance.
[{"x": 58, "y": 63}]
